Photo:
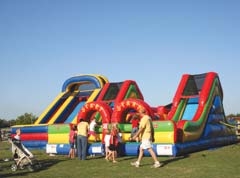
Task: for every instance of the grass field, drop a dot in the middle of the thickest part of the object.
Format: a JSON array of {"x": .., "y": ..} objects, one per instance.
[{"x": 222, "y": 162}]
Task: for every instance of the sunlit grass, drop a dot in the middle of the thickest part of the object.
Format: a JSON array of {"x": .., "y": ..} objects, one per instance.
[{"x": 218, "y": 163}]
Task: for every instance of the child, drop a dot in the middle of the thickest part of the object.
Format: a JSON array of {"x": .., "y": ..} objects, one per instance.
[
  {"x": 92, "y": 127},
  {"x": 113, "y": 143},
  {"x": 107, "y": 144},
  {"x": 135, "y": 124},
  {"x": 72, "y": 141}
]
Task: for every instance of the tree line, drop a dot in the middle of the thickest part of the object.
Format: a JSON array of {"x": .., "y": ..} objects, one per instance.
[{"x": 25, "y": 119}]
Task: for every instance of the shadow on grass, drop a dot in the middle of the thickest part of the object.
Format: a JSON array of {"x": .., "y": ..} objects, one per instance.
[
  {"x": 173, "y": 159},
  {"x": 163, "y": 162},
  {"x": 128, "y": 158},
  {"x": 37, "y": 166}
]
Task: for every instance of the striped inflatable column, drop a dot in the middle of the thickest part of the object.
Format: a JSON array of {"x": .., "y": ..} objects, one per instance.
[
  {"x": 58, "y": 139},
  {"x": 32, "y": 136}
]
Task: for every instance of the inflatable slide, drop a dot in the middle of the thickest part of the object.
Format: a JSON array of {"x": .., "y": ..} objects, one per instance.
[
  {"x": 75, "y": 92},
  {"x": 194, "y": 119},
  {"x": 53, "y": 125}
]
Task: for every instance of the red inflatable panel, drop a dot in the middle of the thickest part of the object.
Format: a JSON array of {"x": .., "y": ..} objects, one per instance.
[{"x": 33, "y": 136}]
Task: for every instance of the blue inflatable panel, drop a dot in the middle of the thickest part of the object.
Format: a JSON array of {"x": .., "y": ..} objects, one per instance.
[
  {"x": 154, "y": 147},
  {"x": 217, "y": 104},
  {"x": 215, "y": 118},
  {"x": 131, "y": 149},
  {"x": 189, "y": 111},
  {"x": 74, "y": 113},
  {"x": 63, "y": 149},
  {"x": 96, "y": 148},
  {"x": 31, "y": 129},
  {"x": 214, "y": 131},
  {"x": 35, "y": 144},
  {"x": 189, "y": 147}
]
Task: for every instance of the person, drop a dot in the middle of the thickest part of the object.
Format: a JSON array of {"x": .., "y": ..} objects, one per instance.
[
  {"x": 107, "y": 144},
  {"x": 119, "y": 141},
  {"x": 113, "y": 144},
  {"x": 72, "y": 141},
  {"x": 92, "y": 131},
  {"x": 17, "y": 141},
  {"x": 82, "y": 139},
  {"x": 135, "y": 124},
  {"x": 146, "y": 132}
]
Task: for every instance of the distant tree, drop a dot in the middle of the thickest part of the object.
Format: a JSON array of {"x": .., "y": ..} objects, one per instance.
[
  {"x": 27, "y": 118},
  {"x": 12, "y": 122},
  {"x": 4, "y": 123}
]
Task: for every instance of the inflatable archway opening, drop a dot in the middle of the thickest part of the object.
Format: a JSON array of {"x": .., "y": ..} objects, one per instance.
[
  {"x": 126, "y": 106},
  {"x": 100, "y": 109},
  {"x": 125, "y": 115},
  {"x": 90, "y": 108}
]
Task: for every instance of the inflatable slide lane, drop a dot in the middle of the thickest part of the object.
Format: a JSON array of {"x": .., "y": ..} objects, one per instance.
[{"x": 76, "y": 91}]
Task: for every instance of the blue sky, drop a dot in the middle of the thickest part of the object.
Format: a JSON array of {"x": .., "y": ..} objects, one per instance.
[{"x": 155, "y": 42}]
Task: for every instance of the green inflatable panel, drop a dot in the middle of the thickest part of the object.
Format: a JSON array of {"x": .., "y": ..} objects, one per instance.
[
  {"x": 163, "y": 126},
  {"x": 125, "y": 127},
  {"x": 58, "y": 128}
]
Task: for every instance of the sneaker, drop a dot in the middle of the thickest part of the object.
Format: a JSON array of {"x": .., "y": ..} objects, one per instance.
[
  {"x": 135, "y": 164},
  {"x": 157, "y": 165}
]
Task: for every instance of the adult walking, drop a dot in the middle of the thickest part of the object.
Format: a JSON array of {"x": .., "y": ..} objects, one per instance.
[
  {"x": 146, "y": 133},
  {"x": 82, "y": 139}
]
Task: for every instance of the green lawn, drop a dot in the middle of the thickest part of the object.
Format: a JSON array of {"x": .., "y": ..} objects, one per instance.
[{"x": 223, "y": 162}]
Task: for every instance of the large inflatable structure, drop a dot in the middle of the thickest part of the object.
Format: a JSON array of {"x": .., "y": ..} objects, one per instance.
[
  {"x": 195, "y": 118},
  {"x": 53, "y": 125},
  {"x": 193, "y": 121},
  {"x": 101, "y": 108}
]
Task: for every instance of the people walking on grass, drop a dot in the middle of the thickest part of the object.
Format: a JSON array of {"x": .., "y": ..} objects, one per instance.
[
  {"x": 146, "y": 133},
  {"x": 82, "y": 139}
]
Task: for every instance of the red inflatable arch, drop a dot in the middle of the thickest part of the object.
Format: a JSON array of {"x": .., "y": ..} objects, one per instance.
[
  {"x": 122, "y": 109},
  {"x": 96, "y": 106}
]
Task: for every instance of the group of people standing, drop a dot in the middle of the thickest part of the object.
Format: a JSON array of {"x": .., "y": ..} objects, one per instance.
[
  {"x": 112, "y": 140},
  {"x": 78, "y": 140},
  {"x": 142, "y": 131}
]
